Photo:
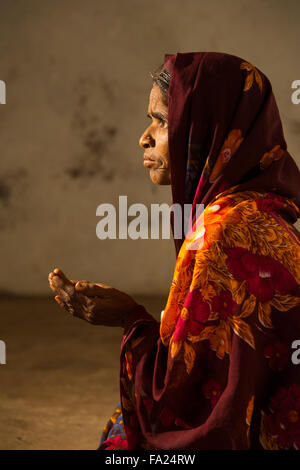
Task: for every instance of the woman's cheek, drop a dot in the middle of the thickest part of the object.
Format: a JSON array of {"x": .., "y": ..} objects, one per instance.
[{"x": 165, "y": 145}]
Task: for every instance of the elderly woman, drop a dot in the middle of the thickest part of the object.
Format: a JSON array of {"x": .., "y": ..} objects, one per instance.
[{"x": 217, "y": 372}]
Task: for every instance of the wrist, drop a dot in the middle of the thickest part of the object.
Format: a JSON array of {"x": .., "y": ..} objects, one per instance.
[
  {"x": 136, "y": 314},
  {"x": 126, "y": 314}
]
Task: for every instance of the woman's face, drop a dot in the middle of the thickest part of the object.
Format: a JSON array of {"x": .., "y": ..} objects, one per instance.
[{"x": 155, "y": 139}]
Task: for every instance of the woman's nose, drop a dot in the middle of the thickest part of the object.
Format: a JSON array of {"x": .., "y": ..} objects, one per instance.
[{"x": 145, "y": 140}]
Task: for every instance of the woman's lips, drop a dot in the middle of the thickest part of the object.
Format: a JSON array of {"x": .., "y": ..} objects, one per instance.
[{"x": 148, "y": 161}]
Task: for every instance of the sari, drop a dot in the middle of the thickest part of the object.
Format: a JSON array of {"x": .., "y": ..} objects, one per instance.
[{"x": 220, "y": 370}]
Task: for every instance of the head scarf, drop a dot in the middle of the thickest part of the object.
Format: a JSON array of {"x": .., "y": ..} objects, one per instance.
[{"x": 225, "y": 132}]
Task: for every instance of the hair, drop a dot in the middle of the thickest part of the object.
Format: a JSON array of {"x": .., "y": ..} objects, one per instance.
[{"x": 161, "y": 77}]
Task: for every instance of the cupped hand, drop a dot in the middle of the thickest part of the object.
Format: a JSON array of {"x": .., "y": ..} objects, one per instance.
[{"x": 97, "y": 303}]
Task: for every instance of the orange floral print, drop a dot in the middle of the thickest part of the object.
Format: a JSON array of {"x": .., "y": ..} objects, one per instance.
[
  {"x": 249, "y": 413},
  {"x": 280, "y": 428},
  {"x": 235, "y": 274},
  {"x": 275, "y": 154},
  {"x": 253, "y": 73},
  {"x": 128, "y": 364},
  {"x": 228, "y": 149},
  {"x": 218, "y": 338}
]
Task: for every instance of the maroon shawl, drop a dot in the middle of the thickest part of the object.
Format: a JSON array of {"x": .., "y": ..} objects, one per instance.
[
  {"x": 211, "y": 94},
  {"x": 217, "y": 373}
]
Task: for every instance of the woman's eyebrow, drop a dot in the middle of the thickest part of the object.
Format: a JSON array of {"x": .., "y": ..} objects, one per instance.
[{"x": 157, "y": 115}]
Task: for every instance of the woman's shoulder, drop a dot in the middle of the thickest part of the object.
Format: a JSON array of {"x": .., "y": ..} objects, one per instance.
[
  {"x": 258, "y": 222},
  {"x": 252, "y": 207},
  {"x": 229, "y": 211}
]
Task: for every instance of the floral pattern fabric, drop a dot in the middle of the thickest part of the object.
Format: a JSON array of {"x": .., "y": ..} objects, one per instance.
[
  {"x": 113, "y": 436},
  {"x": 216, "y": 373}
]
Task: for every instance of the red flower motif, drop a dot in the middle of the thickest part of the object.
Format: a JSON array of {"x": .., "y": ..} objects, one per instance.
[
  {"x": 181, "y": 330},
  {"x": 116, "y": 443},
  {"x": 195, "y": 327},
  {"x": 284, "y": 420},
  {"x": 212, "y": 390},
  {"x": 183, "y": 327},
  {"x": 198, "y": 309},
  {"x": 278, "y": 355},
  {"x": 263, "y": 274},
  {"x": 224, "y": 305},
  {"x": 198, "y": 312},
  {"x": 269, "y": 205},
  {"x": 277, "y": 197}
]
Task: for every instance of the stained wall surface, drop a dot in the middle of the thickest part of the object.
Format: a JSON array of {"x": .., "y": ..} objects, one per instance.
[{"x": 77, "y": 77}]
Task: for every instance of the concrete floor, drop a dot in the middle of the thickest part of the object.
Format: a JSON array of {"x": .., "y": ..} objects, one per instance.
[{"x": 60, "y": 383}]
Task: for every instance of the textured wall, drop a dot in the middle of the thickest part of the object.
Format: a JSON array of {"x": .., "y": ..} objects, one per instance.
[{"x": 77, "y": 77}]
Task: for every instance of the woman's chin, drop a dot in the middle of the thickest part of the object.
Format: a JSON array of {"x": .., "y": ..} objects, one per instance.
[{"x": 160, "y": 177}]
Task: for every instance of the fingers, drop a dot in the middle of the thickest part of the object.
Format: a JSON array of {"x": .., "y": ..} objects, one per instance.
[
  {"x": 66, "y": 305},
  {"x": 63, "y": 304},
  {"x": 59, "y": 301},
  {"x": 59, "y": 282},
  {"x": 95, "y": 309},
  {"x": 68, "y": 298},
  {"x": 93, "y": 290},
  {"x": 59, "y": 272},
  {"x": 68, "y": 285},
  {"x": 65, "y": 290},
  {"x": 83, "y": 299},
  {"x": 57, "y": 285},
  {"x": 78, "y": 308}
]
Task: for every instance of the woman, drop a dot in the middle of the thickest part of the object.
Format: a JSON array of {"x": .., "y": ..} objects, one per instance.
[{"x": 217, "y": 371}]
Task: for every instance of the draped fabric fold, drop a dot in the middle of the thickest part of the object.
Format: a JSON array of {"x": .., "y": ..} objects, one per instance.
[
  {"x": 208, "y": 376},
  {"x": 225, "y": 131},
  {"x": 218, "y": 371}
]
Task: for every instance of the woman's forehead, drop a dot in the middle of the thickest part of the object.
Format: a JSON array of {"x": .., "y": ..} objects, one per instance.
[{"x": 156, "y": 98}]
